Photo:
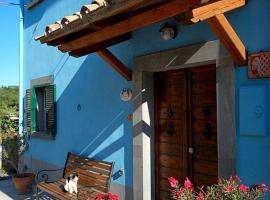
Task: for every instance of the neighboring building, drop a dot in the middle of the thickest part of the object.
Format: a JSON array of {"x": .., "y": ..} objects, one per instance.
[{"x": 195, "y": 112}]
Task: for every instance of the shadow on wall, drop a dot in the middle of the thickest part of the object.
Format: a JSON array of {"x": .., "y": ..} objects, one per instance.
[{"x": 100, "y": 128}]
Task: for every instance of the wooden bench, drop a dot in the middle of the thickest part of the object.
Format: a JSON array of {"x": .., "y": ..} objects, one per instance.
[{"x": 94, "y": 177}]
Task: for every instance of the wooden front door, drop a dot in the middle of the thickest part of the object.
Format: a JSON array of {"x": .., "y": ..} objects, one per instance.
[{"x": 185, "y": 127}]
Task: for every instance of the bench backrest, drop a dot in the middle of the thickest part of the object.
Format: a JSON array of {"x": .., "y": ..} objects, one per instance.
[{"x": 93, "y": 173}]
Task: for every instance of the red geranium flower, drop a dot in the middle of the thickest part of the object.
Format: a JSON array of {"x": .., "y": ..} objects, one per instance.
[
  {"x": 243, "y": 188},
  {"x": 178, "y": 193},
  {"x": 200, "y": 197},
  {"x": 229, "y": 188},
  {"x": 238, "y": 179},
  {"x": 188, "y": 185},
  {"x": 173, "y": 182},
  {"x": 263, "y": 188}
]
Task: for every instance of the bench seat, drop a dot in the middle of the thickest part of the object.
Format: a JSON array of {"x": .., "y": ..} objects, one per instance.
[{"x": 94, "y": 177}]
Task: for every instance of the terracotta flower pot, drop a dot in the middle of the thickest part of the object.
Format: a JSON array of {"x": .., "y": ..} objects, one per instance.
[{"x": 23, "y": 183}]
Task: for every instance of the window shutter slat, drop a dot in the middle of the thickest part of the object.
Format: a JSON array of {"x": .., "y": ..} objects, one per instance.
[
  {"x": 33, "y": 110},
  {"x": 28, "y": 111},
  {"x": 50, "y": 106}
]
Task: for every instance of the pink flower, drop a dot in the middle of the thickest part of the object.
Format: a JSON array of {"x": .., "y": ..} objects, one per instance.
[
  {"x": 243, "y": 188},
  {"x": 238, "y": 179},
  {"x": 200, "y": 197},
  {"x": 173, "y": 182},
  {"x": 188, "y": 185},
  {"x": 229, "y": 188},
  {"x": 263, "y": 188}
]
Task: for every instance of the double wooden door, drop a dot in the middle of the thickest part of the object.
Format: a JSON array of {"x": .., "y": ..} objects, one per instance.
[{"x": 185, "y": 127}]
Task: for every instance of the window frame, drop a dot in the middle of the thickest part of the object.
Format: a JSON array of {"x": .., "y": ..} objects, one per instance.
[
  {"x": 45, "y": 133},
  {"x": 43, "y": 82}
]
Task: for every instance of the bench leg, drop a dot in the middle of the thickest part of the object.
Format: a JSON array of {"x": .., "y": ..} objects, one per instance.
[{"x": 37, "y": 197}]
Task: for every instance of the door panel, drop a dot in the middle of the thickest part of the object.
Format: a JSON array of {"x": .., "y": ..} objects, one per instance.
[
  {"x": 170, "y": 159},
  {"x": 185, "y": 116},
  {"x": 203, "y": 125}
]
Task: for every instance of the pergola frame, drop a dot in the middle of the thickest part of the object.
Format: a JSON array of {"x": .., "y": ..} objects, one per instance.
[{"x": 118, "y": 26}]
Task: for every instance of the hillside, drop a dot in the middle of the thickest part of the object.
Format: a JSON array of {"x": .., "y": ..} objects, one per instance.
[{"x": 9, "y": 100}]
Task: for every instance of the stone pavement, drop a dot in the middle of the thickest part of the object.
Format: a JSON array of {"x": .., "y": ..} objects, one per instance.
[{"x": 7, "y": 192}]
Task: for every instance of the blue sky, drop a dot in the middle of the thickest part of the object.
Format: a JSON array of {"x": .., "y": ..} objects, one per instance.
[{"x": 9, "y": 41}]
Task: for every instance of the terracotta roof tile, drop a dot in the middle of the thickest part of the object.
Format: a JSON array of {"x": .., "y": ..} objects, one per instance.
[
  {"x": 85, "y": 10},
  {"x": 97, "y": 10}
]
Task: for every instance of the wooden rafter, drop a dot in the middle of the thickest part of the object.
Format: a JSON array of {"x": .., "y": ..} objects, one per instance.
[
  {"x": 159, "y": 13},
  {"x": 210, "y": 10},
  {"x": 102, "y": 45},
  {"x": 115, "y": 63},
  {"x": 228, "y": 38}
]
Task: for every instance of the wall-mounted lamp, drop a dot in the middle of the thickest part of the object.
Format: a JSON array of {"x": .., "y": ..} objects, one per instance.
[{"x": 168, "y": 32}]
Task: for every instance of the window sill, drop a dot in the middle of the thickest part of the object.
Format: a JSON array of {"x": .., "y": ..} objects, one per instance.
[
  {"x": 33, "y": 3},
  {"x": 43, "y": 135}
]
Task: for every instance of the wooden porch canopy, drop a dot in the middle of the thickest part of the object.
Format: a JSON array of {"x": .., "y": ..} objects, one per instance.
[{"x": 104, "y": 23}]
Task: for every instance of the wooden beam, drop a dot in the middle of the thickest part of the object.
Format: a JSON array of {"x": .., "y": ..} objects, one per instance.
[
  {"x": 210, "y": 10},
  {"x": 115, "y": 63},
  {"x": 161, "y": 12},
  {"x": 219, "y": 7},
  {"x": 96, "y": 47},
  {"x": 111, "y": 10},
  {"x": 228, "y": 37}
]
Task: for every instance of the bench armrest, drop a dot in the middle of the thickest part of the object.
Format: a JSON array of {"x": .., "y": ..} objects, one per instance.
[{"x": 43, "y": 175}]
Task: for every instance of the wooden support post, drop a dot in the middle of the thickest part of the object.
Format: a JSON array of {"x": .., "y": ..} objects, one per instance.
[
  {"x": 228, "y": 38},
  {"x": 115, "y": 63}
]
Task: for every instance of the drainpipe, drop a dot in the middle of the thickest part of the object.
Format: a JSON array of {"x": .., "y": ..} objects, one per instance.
[{"x": 21, "y": 71}]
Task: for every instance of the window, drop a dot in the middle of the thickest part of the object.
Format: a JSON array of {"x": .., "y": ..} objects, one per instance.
[{"x": 40, "y": 111}]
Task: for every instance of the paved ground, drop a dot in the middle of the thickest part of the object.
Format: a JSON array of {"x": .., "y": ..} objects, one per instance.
[{"x": 7, "y": 192}]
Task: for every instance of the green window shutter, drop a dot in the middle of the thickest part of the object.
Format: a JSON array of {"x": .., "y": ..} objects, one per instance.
[
  {"x": 28, "y": 111},
  {"x": 33, "y": 110},
  {"x": 50, "y": 108}
]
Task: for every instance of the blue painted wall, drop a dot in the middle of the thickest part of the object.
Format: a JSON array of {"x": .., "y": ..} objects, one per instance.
[{"x": 101, "y": 128}]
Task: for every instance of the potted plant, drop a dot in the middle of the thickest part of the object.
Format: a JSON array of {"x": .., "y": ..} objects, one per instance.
[
  {"x": 13, "y": 148},
  {"x": 227, "y": 189}
]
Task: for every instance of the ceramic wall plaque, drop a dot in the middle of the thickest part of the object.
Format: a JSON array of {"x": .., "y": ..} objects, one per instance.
[{"x": 259, "y": 65}]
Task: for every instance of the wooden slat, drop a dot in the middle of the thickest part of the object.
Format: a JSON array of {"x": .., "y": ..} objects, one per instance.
[
  {"x": 171, "y": 161},
  {"x": 101, "y": 45},
  {"x": 204, "y": 180},
  {"x": 228, "y": 37},
  {"x": 171, "y": 149},
  {"x": 164, "y": 11},
  {"x": 91, "y": 162},
  {"x": 115, "y": 63},
  {"x": 56, "y": 190}
]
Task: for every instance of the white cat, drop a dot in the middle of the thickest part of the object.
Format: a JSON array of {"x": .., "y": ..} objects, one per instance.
[{"x": 71, "y": 183}]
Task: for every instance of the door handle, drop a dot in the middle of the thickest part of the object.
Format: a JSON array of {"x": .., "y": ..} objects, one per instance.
[{"x": 190, "y": 150}]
